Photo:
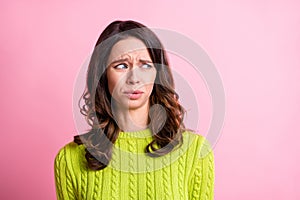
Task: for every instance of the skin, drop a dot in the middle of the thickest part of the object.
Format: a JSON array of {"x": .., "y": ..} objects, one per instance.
[{"x": 130, "y": 68}]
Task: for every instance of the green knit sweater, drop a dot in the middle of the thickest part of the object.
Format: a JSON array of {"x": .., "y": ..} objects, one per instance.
[{"x": 185, "y": 173}]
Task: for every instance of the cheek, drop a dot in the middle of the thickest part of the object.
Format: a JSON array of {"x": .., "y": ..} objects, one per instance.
[
  {"x": 152, "y": 77},
  {"x": 150, "y": 82},
  {"x": 149, "y": 77}
]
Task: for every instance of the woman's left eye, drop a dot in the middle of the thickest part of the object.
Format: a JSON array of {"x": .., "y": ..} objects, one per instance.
[{"x": 145, "y": 65}]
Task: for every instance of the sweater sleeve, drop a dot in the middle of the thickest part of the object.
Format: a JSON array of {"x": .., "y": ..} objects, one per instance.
[
  {"x": 64, "y": 179},
  {"x": 201, "y": 184}
]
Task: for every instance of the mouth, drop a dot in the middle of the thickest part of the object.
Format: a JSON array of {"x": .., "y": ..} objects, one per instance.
[{"x": 133, "y": 92}]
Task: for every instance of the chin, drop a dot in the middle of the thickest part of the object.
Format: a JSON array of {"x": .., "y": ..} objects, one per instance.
[
  {"x": 132, "y": 104},
  {"x": 136, "y": 105}
]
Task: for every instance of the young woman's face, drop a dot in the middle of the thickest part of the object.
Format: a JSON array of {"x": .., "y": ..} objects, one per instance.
[{"x": 130, "y": 73}]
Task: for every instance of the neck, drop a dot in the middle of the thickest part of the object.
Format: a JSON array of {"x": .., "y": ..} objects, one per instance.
[{"x": 132, "y": 119}]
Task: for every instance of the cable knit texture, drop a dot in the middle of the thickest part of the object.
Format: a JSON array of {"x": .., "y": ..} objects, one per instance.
[{"x": 185, "y": 173}]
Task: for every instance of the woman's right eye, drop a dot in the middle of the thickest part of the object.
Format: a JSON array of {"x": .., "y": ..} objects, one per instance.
[{"x": 121, "y": 66}]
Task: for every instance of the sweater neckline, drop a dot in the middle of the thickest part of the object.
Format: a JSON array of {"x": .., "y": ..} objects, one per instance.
[{"x": 145, "y": 133}]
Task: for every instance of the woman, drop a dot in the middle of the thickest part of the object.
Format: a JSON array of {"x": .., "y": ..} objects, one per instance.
[{"x": 138, "y": 146}]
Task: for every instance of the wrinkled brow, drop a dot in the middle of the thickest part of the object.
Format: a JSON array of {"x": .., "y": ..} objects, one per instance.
[{"x": 128, "y": 60}]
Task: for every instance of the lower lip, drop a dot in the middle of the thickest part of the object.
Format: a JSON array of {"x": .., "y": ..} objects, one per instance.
[{"x": 134, "y": 96}]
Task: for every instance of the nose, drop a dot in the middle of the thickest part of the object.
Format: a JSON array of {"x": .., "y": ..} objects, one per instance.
[{"x": 133, "y": 76}]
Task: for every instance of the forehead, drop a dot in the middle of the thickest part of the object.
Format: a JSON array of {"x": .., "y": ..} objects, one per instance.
[{"x": 130, "y": 46}]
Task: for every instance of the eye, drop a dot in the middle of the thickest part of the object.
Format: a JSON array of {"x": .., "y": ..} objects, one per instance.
[
  {"x": 146, "y": 66},
  {"x": 121, "y": 66}
]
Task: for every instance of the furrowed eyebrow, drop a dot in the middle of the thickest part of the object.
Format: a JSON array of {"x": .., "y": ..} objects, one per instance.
[
  {"x": 126, "y": 59},
  {"x": 119, "y": 60},
  {"x": 145, "y": 61}
]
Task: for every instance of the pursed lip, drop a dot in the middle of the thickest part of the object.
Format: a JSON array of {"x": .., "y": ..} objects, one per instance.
[{"x": 133, "y": 92}]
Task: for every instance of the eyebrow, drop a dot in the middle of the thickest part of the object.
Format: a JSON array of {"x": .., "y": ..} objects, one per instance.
[{"x": 126, "y": 59}]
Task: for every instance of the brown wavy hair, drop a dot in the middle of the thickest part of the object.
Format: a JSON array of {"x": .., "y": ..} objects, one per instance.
[{"x": 99, "y": 140}]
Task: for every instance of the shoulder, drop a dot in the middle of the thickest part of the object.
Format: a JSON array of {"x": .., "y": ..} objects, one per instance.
[
  {"x": 70, "y": 154},
  {"x": 68, "y": 148},
  {"x": 198, "y": 143}
]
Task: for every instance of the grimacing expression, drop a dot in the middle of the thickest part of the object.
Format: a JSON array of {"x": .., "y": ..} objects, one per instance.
[{"x": 130, "y": 73}]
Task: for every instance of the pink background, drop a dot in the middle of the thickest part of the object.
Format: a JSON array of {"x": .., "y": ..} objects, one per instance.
[{"x": 255, "y": 46}]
